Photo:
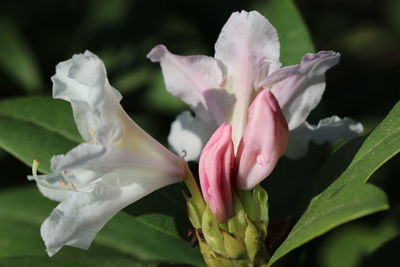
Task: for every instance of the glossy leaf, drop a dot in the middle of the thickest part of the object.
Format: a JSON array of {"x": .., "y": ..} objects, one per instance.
[
  {"x": 52, "y": 114},
  {"x": 124, "y": 238},
  {"x": 348, "y": 197},
  {"x": 37, "y": 128}
]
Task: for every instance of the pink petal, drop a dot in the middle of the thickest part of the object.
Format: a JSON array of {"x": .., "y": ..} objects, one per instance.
[
  {"x": 248, "y": 46},
  {"x": 264, "y": 141},
  {"x": 299, "y": 88},
  {"x": 215, "y": 170},
  {"x": 194, "y": 79}
]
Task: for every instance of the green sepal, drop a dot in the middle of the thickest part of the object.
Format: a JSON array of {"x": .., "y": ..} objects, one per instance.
[
  {"x": 248, "y": 203},
  {"x": 212, "y": 233},
  {"x": 237, "y": 224},
  {"x": 214, "y": 259},
  {"x": 234, "y": 247},
  {"x": 255, "y": 203},
  {"x": 261, "y": 198},
  {"x": 193, "y": 215},
  {"x": 253, "y": 240}
]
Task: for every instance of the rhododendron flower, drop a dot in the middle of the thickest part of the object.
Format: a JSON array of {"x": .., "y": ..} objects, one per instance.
[
  {"x": 216, "y": 168},
  {"x": 118, "y": 164},
  {"x": 221, "y": 89},
  {"x": 263, "y": 143}
]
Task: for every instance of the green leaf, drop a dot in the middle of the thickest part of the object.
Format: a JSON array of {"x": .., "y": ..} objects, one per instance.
[
  {"x": 348, "y": 197},
  {"x": 18, "y": 60},
  {"x": 293, "y": 33},
  {"x": 132, "y": 80},
  {"x": 37, "y": 128},
  {"x": 52, "y": 114},
  {"x": 348, "y": 245},
  {"x": 125, "y": 238},
  {"x": 163, "y": 210}
]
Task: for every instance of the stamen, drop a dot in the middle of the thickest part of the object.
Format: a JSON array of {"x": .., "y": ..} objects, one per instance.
[
  {"x": 94, "y": 142},
  {"x": 66, "y": 186},
  {"x": 92, "y": 132}
]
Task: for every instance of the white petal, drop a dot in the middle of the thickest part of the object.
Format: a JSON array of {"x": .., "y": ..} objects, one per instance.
[
  {"x": 190, "y": 78},
  {"x": 53, "y": 194},
  {"x": 82, "y": 81},
  {"x": 78, "y": 156},
  {"x": 299, "y": 88},
  {"x": 78, "y": 218},
  {"x": 118, "y": 164},
  {"x": 189, "y": 135},
  {"x": 248, "y": 46},
  {"x": 81, "y": 167},
  {"x": 330, "y": 130}
]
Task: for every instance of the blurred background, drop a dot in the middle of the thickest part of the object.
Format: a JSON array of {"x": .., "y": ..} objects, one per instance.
[{"x": 36, "y": 35}]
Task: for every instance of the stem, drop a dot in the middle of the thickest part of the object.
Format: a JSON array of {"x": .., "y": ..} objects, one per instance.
[{"x": 194, "y": 189}]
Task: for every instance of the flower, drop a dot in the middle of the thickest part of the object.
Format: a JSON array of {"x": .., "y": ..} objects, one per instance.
[
  {"x": 216, "y": 168},
  {"x": 221, "y": 89},
  {"x": 118, "y": 164},
  {"x": 263, "y": 143}
]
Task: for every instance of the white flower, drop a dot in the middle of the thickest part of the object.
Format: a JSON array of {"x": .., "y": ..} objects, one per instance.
[
  {"x": 221, "y": 89},
  {"x": 118, "y": 164}
]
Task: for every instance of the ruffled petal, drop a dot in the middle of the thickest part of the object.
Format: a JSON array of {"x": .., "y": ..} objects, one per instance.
[
  {"x": 248, "y": 46},
  {"x": 299, "y": 88},
  {"x": 100, "y": 118},
  {"x": 189, "y": 135},
  {"x": 78, "y": 218},
  {"x": 215, "y": 170},
  {"x": 263, "y": 143},
  {"x": 191, "y": 78},
  {"x": 330, "y": 130},
  {"x": 76, "y": 157},
  {"x": 82, "y": 81}
]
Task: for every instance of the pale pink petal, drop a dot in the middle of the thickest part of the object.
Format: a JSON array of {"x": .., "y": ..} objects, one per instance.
[
  {"x": 264, "y": 141},
  {"x": 248, "y": 46},
  {"x": 215, "y": 170},
  {"x": 191, "y": 78},
  {"x": 328, "y": 130},
  {"x": 299, "y": 88}
]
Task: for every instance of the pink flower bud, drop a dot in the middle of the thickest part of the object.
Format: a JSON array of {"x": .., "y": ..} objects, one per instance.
[
  {"x": 264, "y": 141},
  {"x": 215, "y": 169}
]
